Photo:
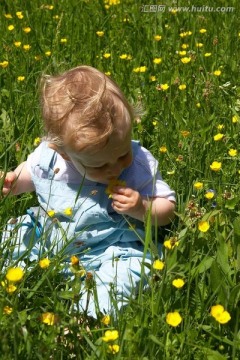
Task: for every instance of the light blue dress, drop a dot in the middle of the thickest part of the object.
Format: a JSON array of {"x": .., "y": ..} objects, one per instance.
[{"x": 109, "y": 245}]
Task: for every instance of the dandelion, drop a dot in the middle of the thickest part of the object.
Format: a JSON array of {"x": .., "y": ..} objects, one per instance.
[
  {"x": 36, "y": 141},
  {"x": 198, "y": 185},
  {"x": 44, "y": 263},
  {"x": 232, "y": 152},
  {"x": 178, "y": 283},
  {"x": 163, "y": 149},
  {"x": 48, "y": 53},
  {"x": 185, "y": 60},
  {"x": 10, "y": 27},
  {"x": 4, "y": 64},
  {"x": 100, "y": 33},
  {"x": 157, "y": 61},
  {"x": 114, "y": 349},
  {"x": 14, "y": 274},
  {"x": 7, "y": 310},
  {"x": 51, "y": 213},
  {"x": 63, "y": 41},
  {"x": 218, "y": 137},
  {"x": 203, "y": 226},
  {"x": 48, "y": 318},
  {"x": 235, "y": 119},
  {"x": 19, "y": 14},
  {"x": 216, "y": 166},
  {"x": 27, "y": 29},
  {"x": 106, "y": 320},
  {"x": 107, "y": 55},
  {"x": 202, "y": 31},
  {"x": 173, "y": 318},
  {"x": 68, "y": 211},
  {"x": 116, "y": 182},
  {"x": 158, "y": 265},
  {"x": 110, "y": 335},
  {"x": 17, "y": 43},
  {"x": 207, "y": 54},
  {"x": 157, "y": 37},
  {"x": 164, "y": 87},
  {"x": 220, "y": 314},
  {"x": 217, "y": 72},
  {"x": 182, "y": 87},
  {"x": 20, "y": 78},
  {"x": 27, "y": 47}
]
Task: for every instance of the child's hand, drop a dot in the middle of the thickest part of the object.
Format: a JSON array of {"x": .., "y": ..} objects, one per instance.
[
  {"x": 8, "y": 183},
  {"x": 127, "y": 201}
]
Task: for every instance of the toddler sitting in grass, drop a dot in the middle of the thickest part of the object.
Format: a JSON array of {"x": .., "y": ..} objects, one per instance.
[{"x": 94, "y": 186}]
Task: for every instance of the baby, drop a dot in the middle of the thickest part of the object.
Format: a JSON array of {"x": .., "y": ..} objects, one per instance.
[{"x": 95, "y": 187}]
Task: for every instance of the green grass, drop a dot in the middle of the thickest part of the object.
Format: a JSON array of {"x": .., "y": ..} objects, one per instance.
[{"x": 208, "y": 262}]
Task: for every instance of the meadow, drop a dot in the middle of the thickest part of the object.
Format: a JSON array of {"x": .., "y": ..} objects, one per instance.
[{"x": 180, "y": 67}]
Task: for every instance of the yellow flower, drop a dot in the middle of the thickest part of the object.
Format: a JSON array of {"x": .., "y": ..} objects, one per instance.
[
  {"x": 171, "y": 243},
  {"x": 157, "y": 37},
  {"x": 21, "y": 78},
  {"x": 184, "y": 46},
  {"x": 37, "y": 57},
  {"x": 48, "y": 318},
  {"x": 198, "y": 105},
  {"x": 207, "y": 54},
  {"x": 27, "y": 29},
  {"x": 219, "y": 314},
  {"x": 14, "y": 274},
  {"x": 182, "y": 53},
  {"x": 142, "y": 69},
  {"x": 172, "y": 172},
  {"x": 36, "y": 141},
  {"x": 112, "y": 184},
  {"x": 4, "y": 64},
  {"x": 51, "y": 213},
  {"x": 232, "y": 152},
  {"x": 157, "y": 60},
  {"x": 235, "y": 119},
  {"x": 198, "y": 185},
  {"x": 63, "y": 41},
  {"x": 153, "y": 78},
  {"x": 74, "y": 260},
  {"x": 163, "y": 149},
  {"x": 203, "y": 226},
  {"x": 114, "y": 349},
  {"x": 209, "y": 195},
  {"x": 158, "y": 265},
  {"x": 216, "y": 166},
  {"x": 11, "y": 288},
  {"x": 110, "y": 335},
  {"x": 44, "y": 263},
  {"x": 100, "y": 33},
  {"x": 17, "y": 43},
  {"x": 202, "y": 31},
  {"x": 48, "y": 53},
  {"x": 220, "y": 126},
  {"x": 68, "y": 211},
  {"x": 173, "y": 318},
  {"x": 185, "y": 60},
  {"x": 178, "y": 283},
  {"x": 8, "y": 16},
  {"x": 106, "y": 320},
  {"x": 10, "y": 27},
  {"x": 7, "y": 310},
  {"x": 182, "y": 87},
  {"x": 217, "y": 72},
  {"x": 27, "y": 47},
  {"x": 199, "y": 45},
  {"x": 154, "y": 123},
  {"x": 19, "y": 14},
  {"x": 136, "y": 70},
  {"x": 218, "y": 137},
  {"x": 123, "y": 56},
  {"x": 185, "y": 133},
  {"x": 107, "y": 55},
  {"x": 164, "y": 87},
  {"x": 107, "y": 73}
]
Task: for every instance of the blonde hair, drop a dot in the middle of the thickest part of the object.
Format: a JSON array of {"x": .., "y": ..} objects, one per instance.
[{"x": 82, "y": 107}]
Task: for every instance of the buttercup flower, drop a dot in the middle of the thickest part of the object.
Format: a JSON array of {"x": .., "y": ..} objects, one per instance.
[
  {"x": 63, "y": 41},
  {"x": 199, "y": 45},
  {"x": 157, "y": 37},
  {"x": 19, "y": 14},
  {"x": 100, "y": 33},
  {"x": 207, "y": 54},
  {"x": 216, "y": 166},
  {"x": 68, "y": 211},
  {"x": 112, "y": 184},
  {"x": 182, "y": 87},
  {"x": 8, "y": 16},
  {"x": 218, "y": 137},
  {"x": 198, "y": 105},
  {"x": 164, "y": 87},
  {"x": 27, "y": 29},
  {"x": 4, "y": 64},
  {"x": 110, "y": 335},
  {"x": 202, "y": 31},
  {"x": 106, "y": 320},
  {"x": 48, "y": 318},
  {"x": 232, "y": 152},
  {"x": 171, "y": 243},
  {"x": 10, "y": 27},
  {"x": 185, "y": 60},
  {"x": 235, "y": 119},
  {"x": 203, "y": 226},
  {"x": 11, "y": 288},
  {"x": 185, "y": 133},
  {"x": 44, "y": 263},
  {"x": 27, "y": 47},
  {"x": 163, "y": 149},
  {"x": 107, "y": 55},
  {"x": 158, "y": 265},
  {"x": 173, "y": 318},
  {"x": 217, "y": 72},
  {"x": 37, "y": 141},
  {"x": 220, "y": 314},
  {"x": 184, "y": 46},
  {"x": 14, "y": 274},
  {"x": 7, "y": 310},
  {"x": 21, "y": 78},
  {"x": 198, "y": 185},
  {"x": 157, "y": 60},
  {"x": 48, "y": 53},
  {"x": 51, "y": 213},
  {"x": 178, "y": 283},
  {"x": 114, "y": 349},
  {"x": 153, "y": 78},
  {"x": 209, "y": 194},
  {"x": 74, "y": 260},
  {"x": 17, "y": 43},
  {"x": 182, "y": 53}
]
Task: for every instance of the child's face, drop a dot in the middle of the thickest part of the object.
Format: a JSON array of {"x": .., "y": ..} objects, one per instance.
[{"x": 108, "y": 163}]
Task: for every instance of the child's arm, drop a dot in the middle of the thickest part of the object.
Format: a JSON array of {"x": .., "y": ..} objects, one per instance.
[
  {"x": 18, "y": 181},
  {"x": 129, "y": 202}
]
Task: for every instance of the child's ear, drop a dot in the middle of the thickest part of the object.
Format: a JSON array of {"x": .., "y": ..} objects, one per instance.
[{"x": 62, "y": 153}]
